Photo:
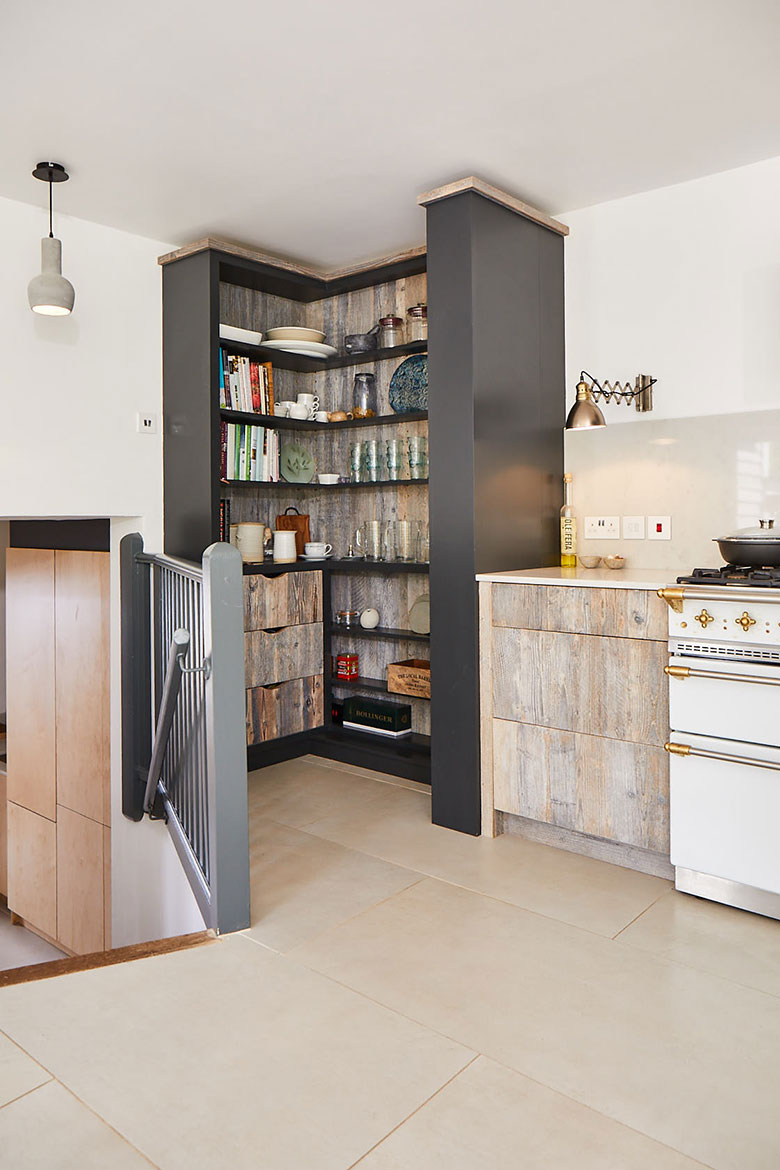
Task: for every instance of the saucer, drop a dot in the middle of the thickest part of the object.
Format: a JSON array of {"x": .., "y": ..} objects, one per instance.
[{"x": 326, "y": 557}]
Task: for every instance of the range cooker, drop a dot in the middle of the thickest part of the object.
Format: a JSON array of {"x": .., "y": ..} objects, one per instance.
[{"x": 724, "y": 711}]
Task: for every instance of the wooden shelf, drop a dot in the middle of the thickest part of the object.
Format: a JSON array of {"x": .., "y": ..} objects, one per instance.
[
  {"x": 283, "y": 485},
  {"x": 373, "y": 684},
  {"x": 409, "y": 756},
  {"x": 302, "y": 364},
  {"x": 381, "y": 567},
  {"x": 339, "y": 631},
  {"x": 298, "y": 424}
]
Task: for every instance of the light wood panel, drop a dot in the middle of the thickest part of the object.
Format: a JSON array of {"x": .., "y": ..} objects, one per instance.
[
  {"x": 604, "y": 787},
  {"x": 278, "y": 655},
  {"x": 612, "y": 687},
  {"x": 30, "y": 679},
  {"x": 283, "y": 709},
  {"x": 3, "y": 837},
  {"x": 80, "y": 900},
  {"x": 291, "y": 599},
  {"x": 82, "y": 687},
  {"x": 32, "y": 868},
  {"x": 472, "y": 183},
  {"x": 616, "y": 613},
  {"x": 615, "y": 852},
  {"x": 231, "y": 248}
]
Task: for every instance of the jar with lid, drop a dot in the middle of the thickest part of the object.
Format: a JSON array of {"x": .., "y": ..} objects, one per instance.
[
  {"x": 391, "y": 331},
  {"x": 364, "y": 396},
  {"x": 418, "y": 322}
]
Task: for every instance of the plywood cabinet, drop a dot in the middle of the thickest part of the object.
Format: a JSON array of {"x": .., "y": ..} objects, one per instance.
[{"x": 58, "y": 806}]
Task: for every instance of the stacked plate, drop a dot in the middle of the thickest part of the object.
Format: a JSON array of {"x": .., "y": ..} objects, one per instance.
[{"x": 296, "y": 339}]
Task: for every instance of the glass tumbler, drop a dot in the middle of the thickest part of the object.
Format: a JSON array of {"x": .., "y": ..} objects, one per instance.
[
  {"x": 356, "y": 468},
  {"x": 372, "y": 540},
  {"x": 423, "y": 544},
  {"x": 396, "y": 458},
  {"x": 405, "y": 543},
  {"x": 372, "y": 460},
  {"x": 418, "y": 457},
  {"x": 388, "y": 541}
]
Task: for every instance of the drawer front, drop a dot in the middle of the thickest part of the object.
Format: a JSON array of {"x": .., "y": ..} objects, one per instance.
[
  {"x": 273, "y": 656},
  {"x": 606, "y": 788},
  {"x": 716, "y": 703},
  {"x": 612, "y": 613},
  {"x": 291, "y": 599},
  {"x": 283, "y": 709},
  {"x": 613, "y": 687}
]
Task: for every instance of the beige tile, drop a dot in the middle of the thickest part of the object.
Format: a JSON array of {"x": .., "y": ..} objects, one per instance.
[
  {"x": 396, "y": 826},
  {"x": 231, "y": 1056},
  {"x": 491, "y": 1117},
  {"x": 18, "y": 1073},
  {"x": 19, "y": 947},
  {"x": 50, "y": 1129},
  {"x": 297, "y": 792},
  {"x": 688, "y": 1059},
  {"x": 727, "y": 942},
  {"x": 368, "y": 774},
  {"x": 302, "y": 884}
]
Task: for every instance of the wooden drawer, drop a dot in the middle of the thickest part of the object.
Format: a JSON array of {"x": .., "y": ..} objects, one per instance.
[
  {"x": 603, "y": 787},
  {"x": 613, "y": 613},
  {"x": 291, "y": 599},
  {"x": 283, "y": 709},
  {"x": 613, "y": 687},
  {"x": 274, "y": 656}
]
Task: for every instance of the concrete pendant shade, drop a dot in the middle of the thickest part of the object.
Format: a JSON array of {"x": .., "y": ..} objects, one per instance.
[{"x": 50, "y": 293}]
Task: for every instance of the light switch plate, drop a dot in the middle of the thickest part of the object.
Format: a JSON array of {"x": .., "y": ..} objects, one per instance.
[
  {"x": 602, "y": 528},
  {"x": 633, "y": 528},
  {"x": 659, "y": 528}
]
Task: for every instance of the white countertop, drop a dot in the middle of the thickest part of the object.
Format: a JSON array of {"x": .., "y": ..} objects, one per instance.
[{"x": 600, "y": 578}]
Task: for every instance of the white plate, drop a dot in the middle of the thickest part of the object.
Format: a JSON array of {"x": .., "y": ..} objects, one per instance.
[
  {"x": 233, "y": 333},
  {"x": 296, "y": 333},
  {"x": 308, "y": 348}
]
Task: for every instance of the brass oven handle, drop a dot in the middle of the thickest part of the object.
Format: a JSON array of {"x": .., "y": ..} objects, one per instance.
[
  {"x": 673, "y": 597},
  {"x": 692, "y": 672},
  {"x": 685, "y": 749}
]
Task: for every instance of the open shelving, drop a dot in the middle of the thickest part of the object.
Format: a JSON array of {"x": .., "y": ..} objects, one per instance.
[
  {"x": 313, "y": 486},
  {"x": 373, "y": 684},
  {"x": 393, "y": 633},
  {"x": 300, "y": 424},
  {"x": 299, "y": 363}
]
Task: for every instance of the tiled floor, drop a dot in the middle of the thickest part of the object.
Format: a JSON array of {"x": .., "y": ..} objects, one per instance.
[
  {"x": 410, "y": 999},
  {"x": 20, "y": 947}
]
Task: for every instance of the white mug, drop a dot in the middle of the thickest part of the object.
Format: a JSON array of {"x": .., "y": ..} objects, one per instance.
[
  {"x": 284, "y": 547},
  {"x": 282, "y": 409},
  {"x": 311, "y": 402},
  {"x": 249, "y": 540},
  {"x": 317, "y": 549},
  {"x": 298, "y": 410},
  {"x": 321, "y": 416}
]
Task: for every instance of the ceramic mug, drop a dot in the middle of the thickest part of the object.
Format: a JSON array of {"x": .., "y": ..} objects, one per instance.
[
  {"x": 321, "y": 416},
  {"x": 339, "y": 416},
  {"x": 284, "y": 547},
  {"x": 311, "y": 402},
  {"x": 299, "y": 410},
  {"x": 249, "y": 540},
  {"x": 317, "y": 549},
  {"x": 282, "y": 409}
]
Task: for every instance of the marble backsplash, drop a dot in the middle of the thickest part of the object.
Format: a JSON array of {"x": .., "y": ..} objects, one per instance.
[{"x": 710, "y": 474}]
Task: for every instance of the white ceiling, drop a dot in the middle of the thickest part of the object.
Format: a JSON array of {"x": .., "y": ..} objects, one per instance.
[{"x": 310, "y": 128}]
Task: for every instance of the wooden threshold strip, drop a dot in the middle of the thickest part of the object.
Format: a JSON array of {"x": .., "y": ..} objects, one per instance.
[{"x": 68, "y": 966}]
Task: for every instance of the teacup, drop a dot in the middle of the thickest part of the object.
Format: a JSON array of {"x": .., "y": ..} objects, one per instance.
[
  {"x": 317, "y": 549},
  {"x": 282, "y": 409},
  {"x": 321, "y": 416},
  {"x": 298, "y": 410},
  {"x": 311, "y": 402},
  {"x": 327, "y": 477}
]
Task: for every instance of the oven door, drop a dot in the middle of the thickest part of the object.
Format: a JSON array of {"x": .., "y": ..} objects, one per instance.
[
  {"x": 724, "y": 804},
  {"x": 726, "y": 699}
]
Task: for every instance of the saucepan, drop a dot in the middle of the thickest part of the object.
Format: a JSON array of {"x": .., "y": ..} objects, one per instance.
[{"x": 758, "y": 547}]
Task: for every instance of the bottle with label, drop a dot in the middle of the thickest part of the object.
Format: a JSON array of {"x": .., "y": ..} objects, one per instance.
[{"x": 568, "y": 527}]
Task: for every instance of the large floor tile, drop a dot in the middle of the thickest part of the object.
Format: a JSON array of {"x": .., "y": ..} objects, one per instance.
[
  {"x": 302, "y": 884},
  {"x": 396, "y": 826},
  {"x": 231, "y": 1056},
  {"x": 686, "y": 1058},
  {"x": 297, "y": 792},
  {"x": 368, "y": 774},
  {"x": 20, "y": 947},
  {"x": 731, "y": 943},
  {"x": 18, "y": 1073},
  {"x": 491, "y": 1117},
  {"x": 50, "y": 1130}
]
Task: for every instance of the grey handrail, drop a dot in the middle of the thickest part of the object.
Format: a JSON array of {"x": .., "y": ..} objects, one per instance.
[{"x": 180, "y": 644}]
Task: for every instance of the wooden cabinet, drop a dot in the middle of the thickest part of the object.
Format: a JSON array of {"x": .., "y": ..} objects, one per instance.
[
  {"x": 575, "y": 716},
  {"x": 58, "y": 806},
  {"x": 283, "y": 709}
]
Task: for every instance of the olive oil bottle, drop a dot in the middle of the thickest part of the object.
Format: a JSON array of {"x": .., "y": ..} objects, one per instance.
[{"x": 568, "y": 527}]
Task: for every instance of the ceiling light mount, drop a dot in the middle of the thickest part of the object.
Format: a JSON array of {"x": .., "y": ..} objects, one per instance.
[{"x": 50, "y": 293}]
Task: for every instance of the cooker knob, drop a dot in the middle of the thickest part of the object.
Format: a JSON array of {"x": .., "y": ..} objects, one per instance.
[
  {"x": 746, "y": 621},
  {"x": 705, "y": 618}
]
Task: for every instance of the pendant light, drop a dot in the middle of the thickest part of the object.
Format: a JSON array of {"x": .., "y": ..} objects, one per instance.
[{"x": 50, "y": 293}]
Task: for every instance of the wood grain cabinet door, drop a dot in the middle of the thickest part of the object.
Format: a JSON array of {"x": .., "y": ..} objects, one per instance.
[
  {"x": 609, "y": 613},
  {"x": 274, "y": 656},
  {"x": 32, "y": 868},
  {"x": 80, "y": 878},
  {"x": 30, "y": 680},
  {"x": 291, "y": 599},
  {"x": 283, "y": 709}
]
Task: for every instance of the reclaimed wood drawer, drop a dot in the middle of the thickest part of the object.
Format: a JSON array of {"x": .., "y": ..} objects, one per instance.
[
  {"x": 602, "y": 787},
  {"x": 273, "y": 656},
  {"x": 613, "y": 687},
  {"x": 283, "y": 709},
  {"x": 613, "y": 613},
  {"x": 291, "y": 599}
]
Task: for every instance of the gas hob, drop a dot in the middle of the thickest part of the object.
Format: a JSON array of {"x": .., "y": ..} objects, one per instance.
[{"x": 734, "y": 575}]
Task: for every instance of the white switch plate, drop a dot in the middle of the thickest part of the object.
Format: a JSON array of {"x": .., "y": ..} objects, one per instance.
[
  {"x": 602, "y": 528},
  {"x": 633, "y": 528},
  {"x": 659, "y": 528},
  {"x": 146, "y": 424}
]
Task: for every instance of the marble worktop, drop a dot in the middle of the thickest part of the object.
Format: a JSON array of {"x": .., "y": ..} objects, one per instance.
[{"x": 600, "y": 578}]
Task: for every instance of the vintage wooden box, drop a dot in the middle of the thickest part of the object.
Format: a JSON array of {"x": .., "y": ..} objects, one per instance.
[{"x": 410, "y": 677}]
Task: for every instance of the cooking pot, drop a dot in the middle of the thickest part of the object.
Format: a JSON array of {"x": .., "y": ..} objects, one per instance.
[{"x": 757, "y": 547}]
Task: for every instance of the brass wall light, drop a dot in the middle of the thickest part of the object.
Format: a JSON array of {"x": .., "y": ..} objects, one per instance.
[{"x": 586, "y": 414}]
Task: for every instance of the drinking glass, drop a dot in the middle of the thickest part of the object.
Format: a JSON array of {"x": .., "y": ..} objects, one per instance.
[
  {"x": 396, "y": 458},
  {"x": 388, "y": 541},
  {"x": 405, "y": 543},
  {"x": 372, "y": 458},
  {"x": 418, "y": 457},
  {"x": 423, "y": 548},
  {"x": 372, "y": 540},
  {"x": 356, "y": 462}
]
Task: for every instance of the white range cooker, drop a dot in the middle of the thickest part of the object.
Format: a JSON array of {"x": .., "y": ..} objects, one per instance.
[{"x": 724, "y": 711}]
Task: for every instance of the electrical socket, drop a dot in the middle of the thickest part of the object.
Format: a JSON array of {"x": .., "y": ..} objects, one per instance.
[
  {"x": 146, "y": 424},
  {"x": 659, "y": 528},
  {"x": 633, "y": 528},
  {"x": 602, "y": 528}
]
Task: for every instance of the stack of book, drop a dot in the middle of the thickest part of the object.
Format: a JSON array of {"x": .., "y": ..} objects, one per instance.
[
  {"x": 245, "y": 385},
  {"x": 249, "y": 453}
]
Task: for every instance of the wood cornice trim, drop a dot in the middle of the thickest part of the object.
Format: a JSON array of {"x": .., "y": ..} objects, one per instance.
[
  {"x": 216, "y": 244},
  {"x": 472, "y": 183}
]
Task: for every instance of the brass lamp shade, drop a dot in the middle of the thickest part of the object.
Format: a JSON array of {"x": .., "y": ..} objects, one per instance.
[{"x": 584, "y": 414}]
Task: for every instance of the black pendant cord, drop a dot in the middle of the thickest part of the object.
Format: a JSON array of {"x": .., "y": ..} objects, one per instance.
[{"x": 51, "y": 227}]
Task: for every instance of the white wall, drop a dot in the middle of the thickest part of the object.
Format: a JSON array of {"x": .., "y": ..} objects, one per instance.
[
  {"x": 70, "y": 391},
  {"x": 684, "y": 284}
]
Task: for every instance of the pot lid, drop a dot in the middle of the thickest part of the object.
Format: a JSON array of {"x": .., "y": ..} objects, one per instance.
[{"x": 764, "y": 531}]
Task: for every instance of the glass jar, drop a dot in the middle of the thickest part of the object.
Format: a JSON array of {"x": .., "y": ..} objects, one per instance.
[
  {"x": 364, "y": 396},
  {"x": 391, "y": 332},
  {"x": 418, "y": 322}
]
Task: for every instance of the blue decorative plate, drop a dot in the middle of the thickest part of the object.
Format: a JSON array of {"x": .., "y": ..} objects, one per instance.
[{"x": 409, "y": 385}]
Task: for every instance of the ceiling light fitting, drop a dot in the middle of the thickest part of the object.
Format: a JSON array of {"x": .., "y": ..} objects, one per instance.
[
  {"x": 50, "y": 293},
  {"x": 585, "y": 414}
]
